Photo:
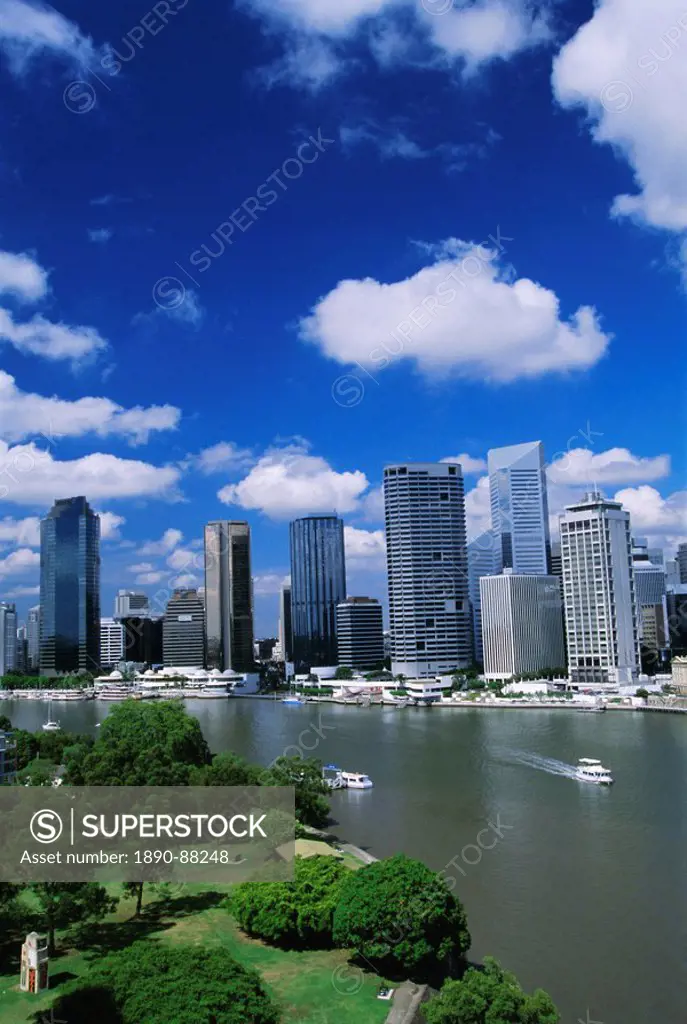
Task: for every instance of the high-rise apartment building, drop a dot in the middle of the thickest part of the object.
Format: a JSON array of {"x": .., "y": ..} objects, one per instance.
[
  {"x": 183, "y": 630},
  {"x": 427, "y": 563},
  {"x": 21, "y": 661},
  {"x": 650, "y": 593},
  {"x": 360, "y": 633},
  {"x": 522, "y": 624},
  {"x": 481, "y": 562},
  {"x": 285, "y": 641},
  {"x": 8, "y": 637},
  {"x": 519, "y": 508},
  {"x": 228, "y": 596},
  {"x": 33, "y": 638},
  {"x": 318, "y": 585},
  {"x": 681, "y": 559},
  {"x": 599, "y": 593},
  {"x": 111, "y": 642},
  {"x": 70, "y": 588},
  {"x": 129, "y": 604}
]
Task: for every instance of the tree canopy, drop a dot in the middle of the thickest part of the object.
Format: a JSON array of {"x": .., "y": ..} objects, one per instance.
[
  {"x": 305, "y": 775},
  {"x": 63, "y": 903},
  {"x": 489, "y": 996},
  {"x": 402, "y": 916}
]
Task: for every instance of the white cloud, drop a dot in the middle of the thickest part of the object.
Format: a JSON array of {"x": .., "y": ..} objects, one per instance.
[
  {"x": 287, "y": 482},
  {"x": 393, "y": 141},
  {"x": 22, "y": 277},
  {"x": 183, "y": 558},
  {"x": 149, "y": 578},
  {"x": 110, "y": 523},
  {"x": 25, "y": 415},
  {"x": 468, "y": 463},
  {"x": 22, "y": 592},
  {"x": 487, "y": 30},
  {"x": 365, "y": 548},
  {"x": 478, "y": 508},
  {"x": 662, "y": 519},
  {"x": 308, "y": 63},
  {"x": 40, "y": 337},
  {"x": 19, "y": 562},
  {"x": 170, "y": 539},
  {"x": 459, "y": 315},
  {"x": 184, "y": 582},
  {"x": 222, "y": 457},
  {"x": 100, "y": 235},
  {"x": 29, "y": 30},
  {"x": 24, "y": 532},
  {"x": 373, "y": 505},
  {"x": 615, "y": 466},
  {"x": 181, "y": 305},
  {"x": 30, "y": 475},
  {"x": 626, "y": 68},
  {"x": 141, "y": 567},
  {"x": 269, "y": 583}
]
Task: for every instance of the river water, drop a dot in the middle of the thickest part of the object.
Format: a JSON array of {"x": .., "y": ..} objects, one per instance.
[{"x": 579, "y": 889}]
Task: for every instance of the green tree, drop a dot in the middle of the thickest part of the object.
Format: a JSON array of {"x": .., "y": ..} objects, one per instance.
[
  {"x": 305, "y": 775},
  {"x": 144, "y": 744},
  {"x": 489, "y": 996},
  {"x": 403, "y": 917},
  {"x": 39, "y": 772},
  {"x": 161, "y": 984},
  {"x": 343, "y": 672},
  {"x": 63, "y": 903},
  {"x": 226, "y": 770},
  {"x": 5, "y": 724},
  {"x": 26, "y": 747},
  {"x": 9, "y": 911},
  {"x": 298, "y": 913}
]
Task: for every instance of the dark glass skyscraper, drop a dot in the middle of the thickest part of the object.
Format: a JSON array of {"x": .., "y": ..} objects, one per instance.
[
  {"x": 318, "y": 585},
  {"x": 228, "y": 596},
  {"x": 70, "y": 588}
]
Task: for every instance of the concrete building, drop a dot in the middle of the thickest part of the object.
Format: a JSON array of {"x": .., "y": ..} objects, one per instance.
[
  {"x": 111, "y": 643},
  {"x": 360, "y": 633},
  {"x": 129, "y": 604},
  {"x": 8, "y": 637},
  {"x": 228, "y": 596},
  {"x": 679, "y": 679},
  {"x": 556, "y": 560},
  {"x": 183, "y": 630},
  {"x": 70, "y": 588},
  {"x": 681, "y": 559},
  {"x": 519, "y": 508},
  {"x": 427, "y": 564},
  {"x": 672, "y": 573},
  {"x": 318, "y": 585},
  {"x": 522, "y": 624},
  {"x": 33, "y": 637},
  {"x": 599, "y": 593},
  {"x": 650, "y": 592},
  {"x": 285, "y": 642},
  {"x": 482, "y": 561},
  {"x": 21, "y": 661}
]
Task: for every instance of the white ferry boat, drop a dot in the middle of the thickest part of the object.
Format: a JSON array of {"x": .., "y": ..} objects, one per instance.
[
  {"x": 591, "y": 770},
  {"x": 356, "y": 780},
  {"x": 115, "y": 691},
  {"x": 70, "y": 695}
]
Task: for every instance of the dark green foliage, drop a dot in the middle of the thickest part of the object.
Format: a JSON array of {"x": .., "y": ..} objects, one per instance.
[
  {"x": 489, "y": 996},
  {"x": 401, "y": 916},
  {"x": 64, "y": 903},
  {"x": 151, "y": 983},
  {"x": 38, "y": 772},
  {"x": 226, "y": 770},
  {"x": 5, "y": 724},
  {"x": 312, "y": 805},
  {"x": 343, "y": 672},
  {"x": 298, "y": 913},
  {"x": 142, "y": 744},
  {"x": 26, "y": 747}
]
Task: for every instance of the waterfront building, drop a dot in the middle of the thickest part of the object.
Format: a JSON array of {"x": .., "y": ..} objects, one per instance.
[
  {"x": 427, "y": 564},
  {"x": 519, "y": 508},
  {"x": 681, "y": 559},
  {"x": 318, "y": 585},
  {"x": 143, "y": 639},
  {"x": 679, "y": 675},
  {"x": 522, "y": 624},
  {"x": 263, "y": 650},
  {"x": 481, "y": 562},
  {"x": 70, "y": 588},
  {"x": 650, "y": 592},
  {"x": 599, "y": 593},
  {"x": 360, "y": 633},
  {"x": 33, "y": 636},
  {"x": 21, "y": 661},
  {"x": 183, "y": 630},
  {"x": 129, "y": 604},
  {"x": 285, "y": 641},
  {"x": 8, "y": 637},
  {"x": 8, "y": 761},
  {"x": 228, "y": 596},
  {"x": 111, "y": 643},
  {"x": 676, "y": 607}
]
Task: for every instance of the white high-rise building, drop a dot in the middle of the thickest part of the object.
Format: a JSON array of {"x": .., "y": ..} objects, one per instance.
[
  {"x": 429, "y": 610},
  {"x": 8, "y": 637},
  {"x": 360, "y": 632},
  {"x": 522, "y": 624},
  {"x": 599, "y": 593},
  {"x": 481, "y": 562},
  {"x": 33, "y": 637},
  {"x": 519, "y": 508},
  {"x": 131, "y": 605},
  {"x": 111, "y": 642}
]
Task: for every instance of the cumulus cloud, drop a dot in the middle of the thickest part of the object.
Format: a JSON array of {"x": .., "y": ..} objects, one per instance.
[
  {"x": 365, "y": 548},
  {"x": 110, "y": 524},
  {"x": 614, "y": 466},
  {"x": 19, "y": 562},
  {"x": 29, "y": 475},
  {"x": 23, "y": 532},
  {"x": 626, "y": 69},
  {"x": 168, "y": 542},
  {"x": 655, "y": 515},
  {"x": 222, "y": 457},
  {"x": 287, "y": 482},
  {"x": 22, "y": 277},
  {"x": 459, "y": 315},
  {"x": 469, "y": 463},
  {"x": 269, "y": 583},
  {"x": 149, "y": 578},
  {"x": 32, "y": 30},
  {"x": 24, "y": 415},
  {"x": 41, "y": 337}
]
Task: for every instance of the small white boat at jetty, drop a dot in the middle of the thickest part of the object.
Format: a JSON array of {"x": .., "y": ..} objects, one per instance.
[
  {"x": 591, "y": 770},
  {"x": 338, "y": 779}
]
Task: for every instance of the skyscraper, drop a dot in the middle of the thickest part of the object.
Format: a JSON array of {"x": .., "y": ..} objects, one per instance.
[
  {"x": 519, "y": 508},
  {"x": 33, "y": 638},
  {"x": 360, "y": 633},
  {"x": 599, "y": 593},
  {"x": 70, "y": 588},
  {"x": 681, "y": 559},
  {"x": 129, "y": 604},
  {"x": 318, "y": 585},
  {"x": 111, "y": 642},
  {"x": 8, "y": 637},
  {"x": 429, "y": 610},
  {"x": 183, "y": 630},
  {"x": 285, "y": 622},
  {"x": 21, "y": 661},
  {"x": 650, "y": 593},
  {"x": 522, "y": 624},
  {"x": 481, "y": 562},
  {"x": 228, "y": 596}
]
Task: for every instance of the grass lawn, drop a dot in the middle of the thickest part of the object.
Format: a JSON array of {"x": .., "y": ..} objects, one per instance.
[{"x": 311, "y": 987}]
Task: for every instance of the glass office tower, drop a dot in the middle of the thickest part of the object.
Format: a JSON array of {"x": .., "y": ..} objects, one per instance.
[
  {"x": 519, "y": 508},
  {"x": 318, "y": 585},
  {"x": 70, "y": 588},
  {"x": 228, "y": 596}
]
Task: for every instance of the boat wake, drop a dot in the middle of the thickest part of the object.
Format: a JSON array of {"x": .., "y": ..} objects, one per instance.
[{"x": 545, "y": 764}]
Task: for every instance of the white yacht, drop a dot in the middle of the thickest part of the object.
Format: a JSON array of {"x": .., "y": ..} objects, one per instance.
[
  {"x": 591, "y": 770},
  {"x": 356, "y": 780},
  {"x": 51, "y": 725}
]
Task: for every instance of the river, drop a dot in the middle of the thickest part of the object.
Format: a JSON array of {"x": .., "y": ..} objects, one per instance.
[{"x": 579, "y": 889}]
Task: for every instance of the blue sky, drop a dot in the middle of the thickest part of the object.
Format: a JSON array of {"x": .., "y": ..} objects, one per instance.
[{"x": 250, "y": 252}]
